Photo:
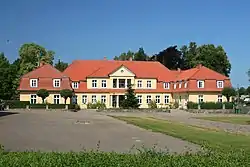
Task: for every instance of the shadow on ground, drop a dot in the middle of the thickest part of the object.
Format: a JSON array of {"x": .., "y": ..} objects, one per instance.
[{"x": 5, "y": 113}]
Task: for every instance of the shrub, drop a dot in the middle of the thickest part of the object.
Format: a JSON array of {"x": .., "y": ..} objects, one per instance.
[
  {"x": 37, "y": 106},
  {"x": 152, "y": 104},
  {"x": 211, "y": 105},
  {"x": 56, "y": 106},
  {"x": 176, "y": 105},
  {"x": 97, "y": 105},
  {"x": 16, "y": 104},
  {"x": 228, "y": 105},
  {"x": 192, "y": 105}
]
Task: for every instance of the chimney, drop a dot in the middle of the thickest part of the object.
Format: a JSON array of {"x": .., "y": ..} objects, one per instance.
[
  {"x": 105, "y": 58},
  {"x": 130, "y": 59},
  {"x": 199, "y": 66},
  {"x": 178, "y": 69}
]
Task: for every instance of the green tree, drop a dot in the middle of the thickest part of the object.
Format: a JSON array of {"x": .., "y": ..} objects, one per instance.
[
  {"x": 66, "y": 93},
  {"x": 5, "y": 78},
  {"x": 248, "y": 90},
  {"x": 125, "y": 56},
  {"x": 140, "y": 55},
  {"x": 30, "y": 56},
  {"x": 209, "y": 55},
  {"x": 228, "y": 92},
  {"x": 170, "y": 58},
  {"x": 248, "y": 73},
  {"x": 61, "y": 66},
  {"x": 43, "y": 93},
  {"x": 242, "y": 91},
  {"x": 130, "y": 101}
]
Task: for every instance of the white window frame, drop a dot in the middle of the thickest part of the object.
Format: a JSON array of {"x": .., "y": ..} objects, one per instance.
[
  {"x": 174, "y": 85},
  {"x": 166, "y": 99},
  {"x": 94, "y": 83},
  {"x": 104, "y": 83},
  {"x": 103, "y": 99},
  {"x": 84, "y": 99},
  {"x": 157, "y": 99},
  {"x": 200, "y": 98},
  {"x": 139, "y": 98},
  {"x": 185, "y": 84},
  {"x": 148, "y": 99},
  {"x": 220, "y": 84},
  {"x": 149, "y": 84},
  {"x": 56, "y": 97},
  {"x": 202, "y": 84},
  {"x": 220, "y": 98},
  {"x": 93, "y": 99},
  {"x": 139, "y": 84},
  {"x": 33, "y": 99},
  {"x": 180, "y": 83},
  {"x": 75, "y": 85},
  {"x": 56, "y": 83},
  {"x": 33, "y": 83},
  {"x": 166, "y": 85}
]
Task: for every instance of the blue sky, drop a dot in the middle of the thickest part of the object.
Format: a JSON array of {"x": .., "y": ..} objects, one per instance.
[{"x": 92, "y": 29}]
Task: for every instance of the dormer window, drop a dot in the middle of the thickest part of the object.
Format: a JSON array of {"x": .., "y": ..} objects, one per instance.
[
  {"x": 200, "y": 84},
  {"x": 56, "y": 83},
  {"x": 180, "y": 84},
  {"x": 33, "y": 83},
  {"x": 220, "y": 84},
  {"x": 166, "y": 85},
  {"x": 75, "y": 85},
  {"x": 185, "y": 85}
]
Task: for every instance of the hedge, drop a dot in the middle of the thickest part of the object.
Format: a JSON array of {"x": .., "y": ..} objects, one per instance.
[
  {"x": 210, "y": 105},
  {"x": 16, "y": 104},
  {"x": 145, "y": 158}
]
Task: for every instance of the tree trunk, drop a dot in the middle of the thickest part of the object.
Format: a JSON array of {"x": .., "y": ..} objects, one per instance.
[
  {"x": 65, "y": 100},
  {"x": 43, "y": 100},
  {"x": 228, "y": 98}
]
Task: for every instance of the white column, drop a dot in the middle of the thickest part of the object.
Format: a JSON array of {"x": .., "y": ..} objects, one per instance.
[
  {"x": 117, "y": 101},
  {"x": 117, "y": 83},
  {"x": 126, "y": 85}
]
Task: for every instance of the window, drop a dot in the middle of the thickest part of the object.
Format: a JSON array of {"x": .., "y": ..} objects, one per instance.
[
  {"x": 94, "y": 83},
  {"x": 149, "y": 84},
  {"x": 104, "y": 83},
  {"x": 200, "y": 99},
  {"x": 139, "y": 83},
  {"x": 220, "y": 98},
  {"x": 75, "y": 85},
  {"x": 114, "y": 83},
  {"x": 180, "y": 84},
  {"x": 103, "y": 99},
  {"x": 158, "y": 99},
  {"x": 220, "y": 84},
  {"x": 166, "y": 85},
  {"x": 56, "y": 83},
  {"x": 128, "y": 82},
  {"x": 56, "y": 99},
  {"x": 84, "y": 99},
  {"x": 148, "y": 99},
  {"x": 174, "y": 85},
  {"x": 185, "y": 85},
  {"x": 93, "y": 100},
  {"x": 200, "y": 84},
  {"x": 139, "y": 98},
  {"x": 32, "y": 99},
  {"x": 33, "y": 83},
  {"x": 122, "y": 83},
  {"x": 166, "y": 99}
]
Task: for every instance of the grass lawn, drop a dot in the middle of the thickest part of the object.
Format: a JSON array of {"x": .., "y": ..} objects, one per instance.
[
  {"x": 215, "y": 139},
  {"x": 234, "y": 120}
]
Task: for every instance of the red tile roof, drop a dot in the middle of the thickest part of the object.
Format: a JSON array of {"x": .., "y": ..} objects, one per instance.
[
  {"x": 81, "y": 69},
  {"x": 45, "y": 75}
]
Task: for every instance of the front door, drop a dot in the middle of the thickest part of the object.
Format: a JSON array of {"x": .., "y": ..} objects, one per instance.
[{"x": 121, "y": 98}]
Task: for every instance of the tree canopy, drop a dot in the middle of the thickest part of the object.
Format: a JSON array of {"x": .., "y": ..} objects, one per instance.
[
  {"x": 61, "y": 66},
  {"x": 66, "y": 93},
  {"x": 43, "y": 93},
  {"x": 228, "y": 92},
  {"x": 140, "y": 55}
]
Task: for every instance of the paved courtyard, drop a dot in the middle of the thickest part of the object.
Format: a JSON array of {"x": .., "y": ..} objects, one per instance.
[{"x": 68, "y": 131}]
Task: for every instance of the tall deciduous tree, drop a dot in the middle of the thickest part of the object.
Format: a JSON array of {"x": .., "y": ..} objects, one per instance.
[
  {"x": 7, "y": 76},
  {"x": 211, "y": 56},
  {"x": 30, "y": 56},
  {"x": 170, "y": 58},
  {"x": 125, "y": 56},
  {"x": 140, "y": 55},
  {"x": 242, "y": 91},
  {"x": 61, "y": 66}
]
